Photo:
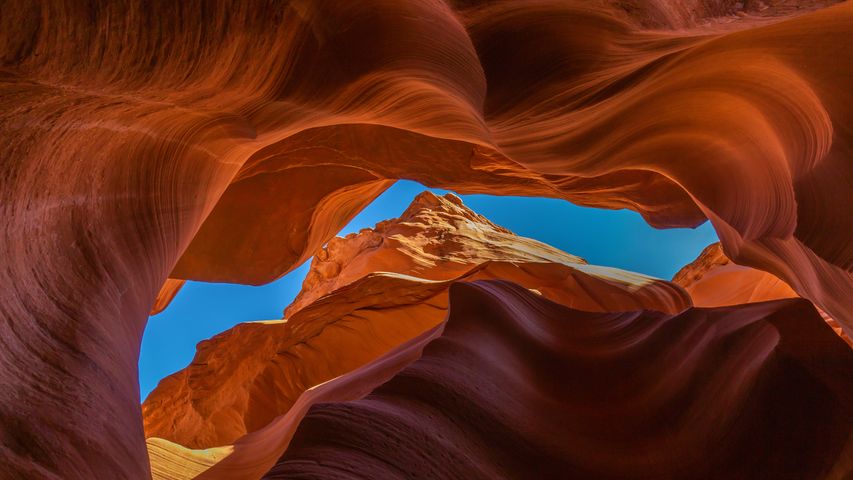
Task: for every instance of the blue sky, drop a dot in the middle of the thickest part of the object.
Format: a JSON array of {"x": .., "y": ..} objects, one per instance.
[{"x": 603, "y": 237}]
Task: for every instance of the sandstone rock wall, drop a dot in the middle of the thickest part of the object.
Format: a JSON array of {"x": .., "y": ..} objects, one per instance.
[{"x": 229, "y": 141}]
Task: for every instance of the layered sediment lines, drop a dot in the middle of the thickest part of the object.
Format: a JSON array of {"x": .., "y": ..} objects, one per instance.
[
  {"x": 170, "y": 461},
  {"x": 229, "y": 142},
  {"x": 713, "y": 280},
  {"x": 519, "y": 387},
  {"x": 254, "y": 454},
  {"x": 167, "y": 293},
  {"x": 241, "y": 380}
]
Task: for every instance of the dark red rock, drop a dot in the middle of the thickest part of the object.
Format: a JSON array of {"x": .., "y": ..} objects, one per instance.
[{"x": 521, "y": 387}]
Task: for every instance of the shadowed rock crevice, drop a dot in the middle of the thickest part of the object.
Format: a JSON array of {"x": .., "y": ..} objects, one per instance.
[
  {"x": 518, "y": 387},
  {"x": 365, "y": 294}
]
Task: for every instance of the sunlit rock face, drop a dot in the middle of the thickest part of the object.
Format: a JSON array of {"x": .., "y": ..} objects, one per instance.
[
  {"x": 436, "y": 238},
  {"x": 254, "y": 454},
  {"x": 166, "y": 294},
  {"x": 713, "y": 280},
  {"x": 521, "y": 387},
  {"x": 347, "y": 315},
  {"x": 153, "y": 140}
]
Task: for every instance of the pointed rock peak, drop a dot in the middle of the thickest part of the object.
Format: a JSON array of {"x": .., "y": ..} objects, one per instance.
[
  {"x": 427, "y": 199},
  {"x": 448, "y": 206},
  {"x": 453, "y": 199},
  {"x": 712, "y": 256},
  {"x": 436, "y": 238}
]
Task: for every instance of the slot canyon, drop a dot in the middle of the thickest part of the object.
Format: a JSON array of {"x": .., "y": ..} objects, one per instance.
[{"x": 150, "y": 148}]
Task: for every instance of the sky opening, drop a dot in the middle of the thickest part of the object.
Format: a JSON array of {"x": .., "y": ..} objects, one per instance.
[{"x": 615, "y": 238}]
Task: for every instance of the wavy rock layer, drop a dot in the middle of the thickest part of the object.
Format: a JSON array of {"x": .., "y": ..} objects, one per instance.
[
  {"x": 713, "y": 280},
  {"x": 239, "y": 381},
  {"x": 254, "y": 454},
  {"x": 227, "y": 142},
  {"x": 170, "y": 461},
  {"x": 520, "y": 387},
  {"x": 167, "y": 293}
]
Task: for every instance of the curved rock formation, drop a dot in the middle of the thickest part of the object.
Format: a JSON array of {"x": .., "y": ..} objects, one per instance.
[
  {"x": 170, "y": 461},
  {"x": 436, "y": 238},
  {"x": 167, "y": 293},
  {"x": 519, "y": 387},
  {"x": 240, "y": 380},
  {"x": 713, "y": 280},
  {"x": 254, "y": 454},
  {"x": 228, "y": 141}
]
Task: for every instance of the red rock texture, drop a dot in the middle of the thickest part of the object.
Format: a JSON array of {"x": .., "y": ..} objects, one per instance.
[
  {"x": 347, "y": 316},
  {"x": 167, "y": 293},
  {"x": 254, "y": 454},
  {"x": 436, "y": 238},
  {"x": 713, "y": 280},
  {"x": 521, "y": 387},
  {"x": 227, "y": 142}
]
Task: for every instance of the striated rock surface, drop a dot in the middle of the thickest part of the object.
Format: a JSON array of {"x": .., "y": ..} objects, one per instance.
[
  {"x": 153, "y": 140},
  {"x": 254, "y": 454},
  {"x": 436, "y": 238},
  {"x": 167, "y": 293},
  {"x": 519, "y": 387},
  {"x": 240, "y": 380},
  {"x": 170, "y": 461},
  {"x": 713, "y": 280}
]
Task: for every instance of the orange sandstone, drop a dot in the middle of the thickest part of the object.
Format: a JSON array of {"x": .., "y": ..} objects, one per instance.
[
  {"x": 713, "y": 280},
  {"x": 519, "y": 387},
  {"x": 146, "y": 141},
  {"x": 346, "y": 315}
]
